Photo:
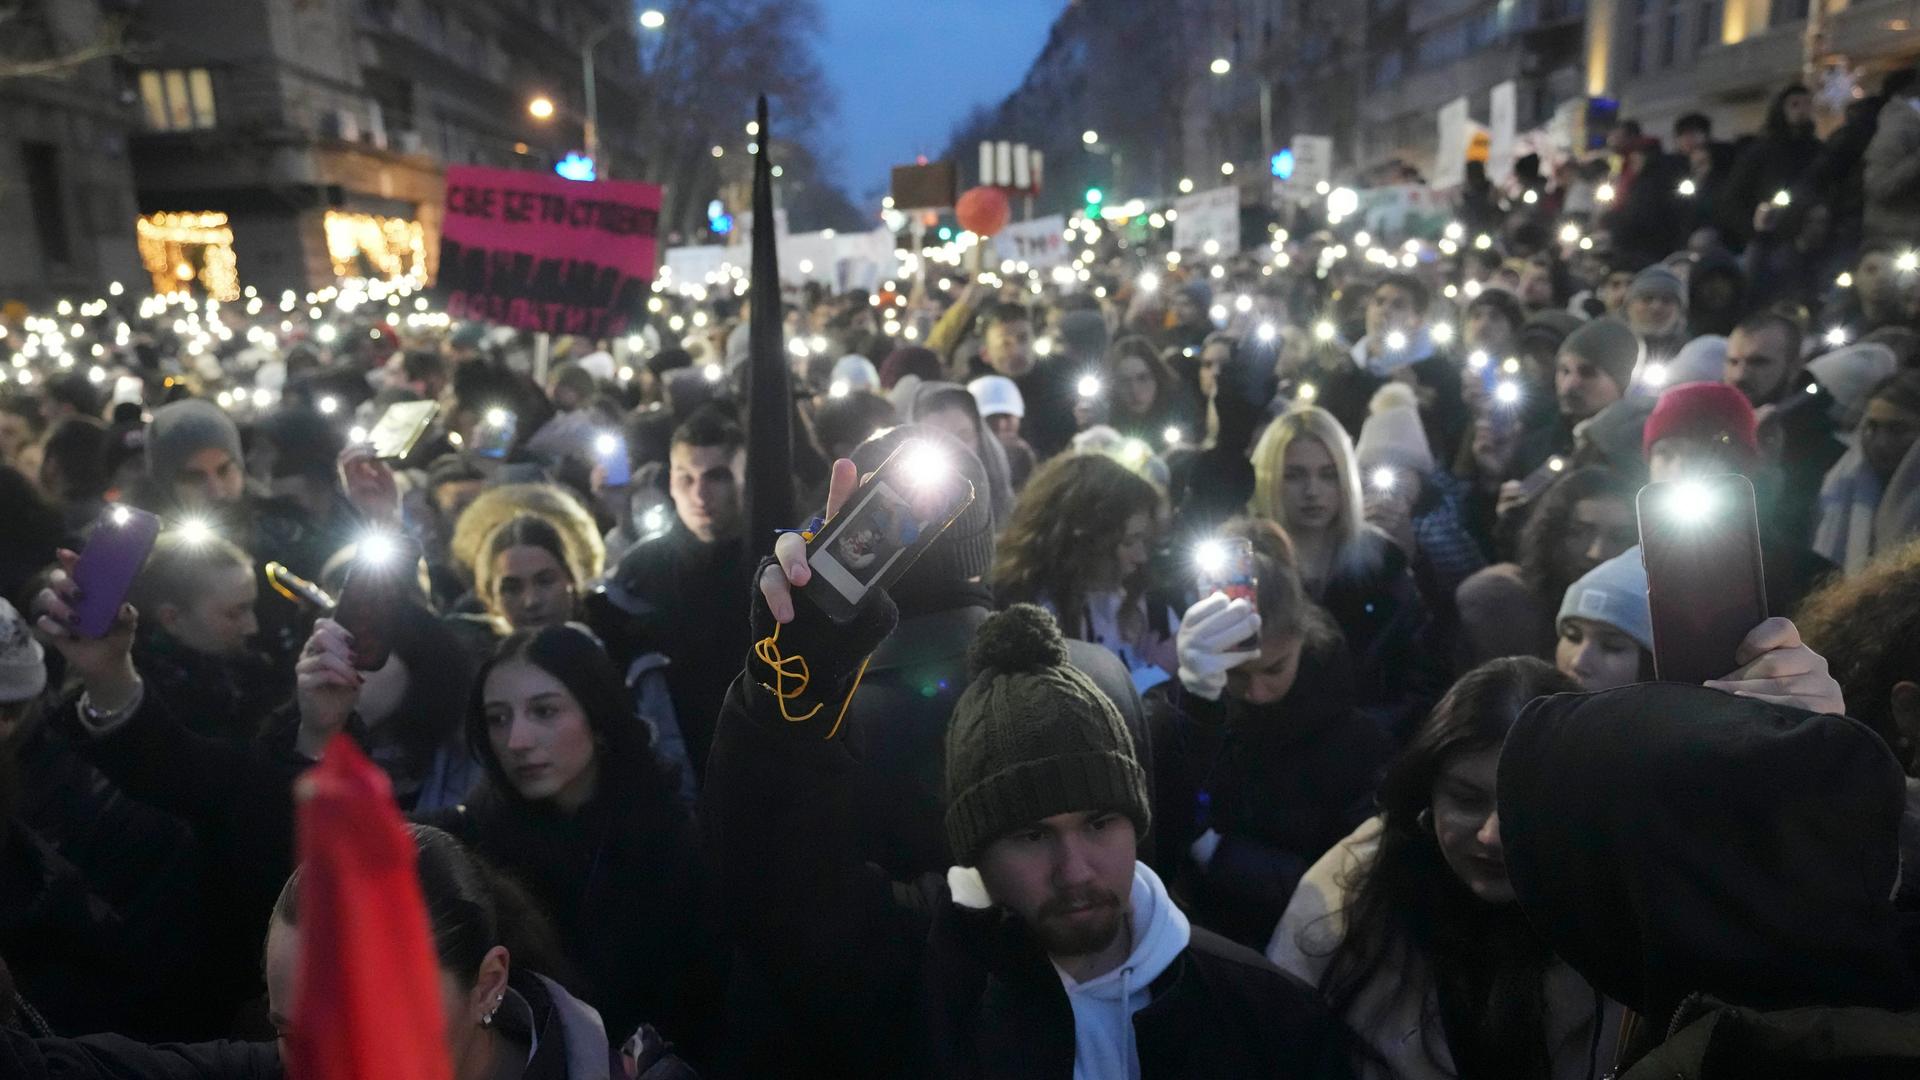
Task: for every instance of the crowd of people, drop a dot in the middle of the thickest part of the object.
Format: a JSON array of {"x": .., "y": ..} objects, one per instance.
[{"x": 1407, "y": 802}]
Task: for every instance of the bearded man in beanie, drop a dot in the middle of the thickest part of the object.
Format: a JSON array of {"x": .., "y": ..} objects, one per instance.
[
  {"x": 1593, "y": 370},
  {"x": 1048, "y": 949},
  {"x": 1657, "y": 311}
]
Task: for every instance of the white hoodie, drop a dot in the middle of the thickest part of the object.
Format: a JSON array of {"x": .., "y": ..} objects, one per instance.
[{"x": 1103, "y": 1008}]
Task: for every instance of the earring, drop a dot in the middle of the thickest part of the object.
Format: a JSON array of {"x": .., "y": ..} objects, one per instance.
[{"x": 487, "y": 1020}]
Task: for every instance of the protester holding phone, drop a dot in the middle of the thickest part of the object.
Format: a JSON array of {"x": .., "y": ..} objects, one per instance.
[
  {"x": 197, "y": 643},
  {"x": 1308, "y": 483},
  {"x": 1049, "y": 937},
  {"x": 1264, "y": 763},
  {"x": 1420, "y": 506}
]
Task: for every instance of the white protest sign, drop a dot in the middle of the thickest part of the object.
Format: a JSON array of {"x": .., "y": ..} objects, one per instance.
[
  {"x": 1039, "y": 243},
  {"x": 1450, "y": 158},
  {"x": 1208, "y": 217},
  {"x": 1503, "y": 121},
  {"x": 1312, "y": 160}
]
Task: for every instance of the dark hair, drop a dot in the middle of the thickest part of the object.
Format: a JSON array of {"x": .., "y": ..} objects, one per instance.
[
  {"x": 1867, "y": 625},
  {"x": 632, "y": 775},
  {"x": 26, "y": 407},
  {"x": 1485, "y": 963},
  {"x": 471, "y": 908},
  {"x": 1409, "y": 284},
  {"x": 1547, "y": 526},
  {"x": 1899, "y": 81},
  {"x": 1504, "y": 304},
  {"x": 1693, "y": 122},
  {"x": 1001, "y": 314},
  {"x": 1166, "y": 385},
  {"x": 709, "y": 426},
  {"x": 1776, "y": 123},
  {"x": 850, "y": 419},
  {"x": 78, "y": 445},
  {"x": 439, "y": 679},
  {"x": 1900, "y": 389},
  {"x": 77, "y": 391},
  {"x": 1769, "y": 319},
  {"x": 421, "y": 364}
]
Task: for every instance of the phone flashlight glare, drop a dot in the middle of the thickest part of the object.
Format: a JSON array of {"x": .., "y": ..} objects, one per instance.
[
  {"x": 1690, "y": 502},
  {"x": 1383, "y": 479}
]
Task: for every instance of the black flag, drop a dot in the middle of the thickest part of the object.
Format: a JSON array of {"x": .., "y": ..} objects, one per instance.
[{"x": 769, "y": 412}]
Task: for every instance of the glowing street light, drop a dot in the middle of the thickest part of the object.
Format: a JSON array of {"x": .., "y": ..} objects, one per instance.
[
  {"x": 1221, "y": 66},
  {"x": 540, "y": 108},
  {"x": 1090, "y": 137},
  {"x": 651, "y": 19}
]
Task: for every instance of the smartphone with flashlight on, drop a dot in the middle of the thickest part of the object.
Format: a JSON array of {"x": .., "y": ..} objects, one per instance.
[
  {"x": 611, "y": 451},
  {"x": 399, "y": 428},
  {"x": 116, "y": 550},
  {"x": 1225, "y": 565},
  {"x": 493, "y": 436},
  {"x": 298, "y": 589},
  {"x": 888, "y": 523},
  {"x": 1706, "y": 586},
  {"x": 379, "y": 580},
  {"x": 1542, "y": 478}
]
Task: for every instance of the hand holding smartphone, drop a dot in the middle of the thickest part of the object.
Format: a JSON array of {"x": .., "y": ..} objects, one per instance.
[
  {"x": 115, "y": 552},
  {"x": 888, "y": 523},
  {"x": 1706, "y": 584},
  {"x": 379, "y": 580}
]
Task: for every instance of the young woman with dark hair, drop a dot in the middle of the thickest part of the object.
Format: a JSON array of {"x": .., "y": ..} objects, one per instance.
[
  {"x": 1409, "y": 927},
  {"x": 578, "y": 805},
  {"x": 1508, "y": 609}
]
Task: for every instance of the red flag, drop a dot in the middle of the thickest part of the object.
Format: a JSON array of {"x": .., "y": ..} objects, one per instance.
[{"x": 367, "y": 992}]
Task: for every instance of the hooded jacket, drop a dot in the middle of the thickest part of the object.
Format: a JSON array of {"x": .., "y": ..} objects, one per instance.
[
  {"x": 1671, "y": 840},
  {"x": 1892, "y": 179}
]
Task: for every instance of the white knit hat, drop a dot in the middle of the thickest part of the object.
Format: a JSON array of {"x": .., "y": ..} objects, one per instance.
[
  {"x": 1392, "y": 434},
  {"x": 1850, "y": 374},
  {"x": 23, "y": 663}
]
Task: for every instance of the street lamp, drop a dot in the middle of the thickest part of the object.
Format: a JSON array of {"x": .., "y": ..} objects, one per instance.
[
  {"x": 1095, "y": 146},
  {"x": 1090, "y": 137},
  {"x": 1223, "y": 66},
  {"x": 540, "y": 108},
  {"x": 650, "y": 19}
]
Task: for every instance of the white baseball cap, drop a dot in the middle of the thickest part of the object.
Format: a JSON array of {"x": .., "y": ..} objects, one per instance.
[{"x": 997, "y": 396}]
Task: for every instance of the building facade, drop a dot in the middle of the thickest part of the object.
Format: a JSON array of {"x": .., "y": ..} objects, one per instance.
[
  {"x": 308, "y": 139},
  {"x": 66, "y": 182},
  {"x": 1662, "y": 59}
]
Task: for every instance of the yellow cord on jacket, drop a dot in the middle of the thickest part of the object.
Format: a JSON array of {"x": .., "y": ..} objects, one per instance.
[{"x": 767, "y": 649}]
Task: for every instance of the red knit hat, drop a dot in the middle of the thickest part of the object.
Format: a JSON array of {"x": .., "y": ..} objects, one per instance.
[{"x": 1703, "y": 410}]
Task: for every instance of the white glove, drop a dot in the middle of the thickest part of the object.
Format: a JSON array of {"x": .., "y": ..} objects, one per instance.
[
  {"x": 1210, "y": 629},
  {"x": 1202, "y": 849}
]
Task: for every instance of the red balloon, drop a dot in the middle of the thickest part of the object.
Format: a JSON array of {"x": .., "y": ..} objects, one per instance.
[{"x": 983, "y": 211}]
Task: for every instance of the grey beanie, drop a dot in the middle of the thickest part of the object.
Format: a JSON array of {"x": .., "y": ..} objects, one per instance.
[
  {"x": 23, "y": 663},
  {"x": 1609, "y": 344},
  {"x": 1032, "y": 737},
  {"x": 184, "y": 428},
  {"x": 1659, "y": 281}
]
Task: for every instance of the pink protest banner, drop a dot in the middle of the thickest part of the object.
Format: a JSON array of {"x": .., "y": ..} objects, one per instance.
[{"x": 536, "y": 251}]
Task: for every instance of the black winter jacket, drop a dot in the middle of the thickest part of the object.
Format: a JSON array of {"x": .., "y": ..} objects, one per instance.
[{"x": 881, "y": 979}]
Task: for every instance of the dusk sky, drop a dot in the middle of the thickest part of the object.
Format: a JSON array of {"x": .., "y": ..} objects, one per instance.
[{"x": 906, "y": 71}]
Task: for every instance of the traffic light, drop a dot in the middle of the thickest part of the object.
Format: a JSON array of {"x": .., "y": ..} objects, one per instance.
[{"x": 1094, "y": 196}]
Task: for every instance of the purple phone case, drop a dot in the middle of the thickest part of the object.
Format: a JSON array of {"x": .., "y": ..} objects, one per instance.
[{"x": 105, "y": 572}]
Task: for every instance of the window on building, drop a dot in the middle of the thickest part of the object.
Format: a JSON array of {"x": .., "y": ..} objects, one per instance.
[
  {"x": 177, "y": 100},
  {"x": 1640, "y": 37},
  {"x": 40, "y": 161},
  {"x": 1706, "y": 24},
  {"x": 1672, "y": 34},
  {"x": 1786, "y": 11}
]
